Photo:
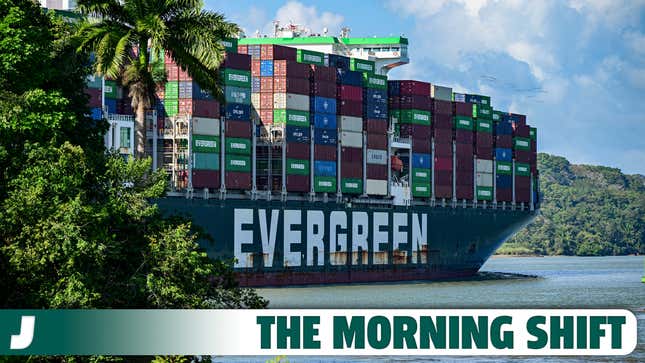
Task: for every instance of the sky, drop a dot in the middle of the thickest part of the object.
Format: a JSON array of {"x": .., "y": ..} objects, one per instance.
[{"x": 575, "y": 68}]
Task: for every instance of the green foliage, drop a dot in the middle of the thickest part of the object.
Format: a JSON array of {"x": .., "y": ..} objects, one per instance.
[{"x": 586, "y": 211}]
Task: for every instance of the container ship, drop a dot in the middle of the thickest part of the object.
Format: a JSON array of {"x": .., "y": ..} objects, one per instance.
[{"x": 320, "y": 169}]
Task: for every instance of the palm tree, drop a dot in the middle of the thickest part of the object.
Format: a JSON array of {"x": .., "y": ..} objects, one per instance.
[{"x": 126, "y": 34}]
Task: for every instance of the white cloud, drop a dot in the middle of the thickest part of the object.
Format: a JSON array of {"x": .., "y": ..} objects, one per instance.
[
  {"x": 309, "y": 16},
  {"x": 636, "y": 41}
]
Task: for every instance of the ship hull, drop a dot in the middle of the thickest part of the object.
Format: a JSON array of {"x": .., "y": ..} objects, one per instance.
[{"x": 298, "y": 243}]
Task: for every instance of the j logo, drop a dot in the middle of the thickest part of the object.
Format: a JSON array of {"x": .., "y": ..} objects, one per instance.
[{"x": 24, "y": 339}]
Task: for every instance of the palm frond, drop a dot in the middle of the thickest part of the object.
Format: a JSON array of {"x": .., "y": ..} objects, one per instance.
[{"x": 105, "y": 9}]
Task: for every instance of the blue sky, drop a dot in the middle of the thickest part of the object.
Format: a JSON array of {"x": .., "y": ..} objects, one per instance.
[{"x": 576, "y": 68}]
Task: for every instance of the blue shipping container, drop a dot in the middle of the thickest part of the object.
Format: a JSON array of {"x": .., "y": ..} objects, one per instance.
[
  {"x": 325, "y": 120},
  {"x": 298, "y": 134},
  {"x": 237, "y": 111},
  {"x": 504, "y": 181},
  {"x": 97, "y": 113},
  {"x": 338, "y": 61},
  {"x": 200, "y": 94},
  {"x": 255, "y": 84},
  {"x": 421, "y": 161},
  {"x": 324, "y": 168},
  {"x": 504, "y": 128},
  {"x": 350, "y": 78},
  {"x": 110, "y": 104},
  {"x": 503, "y": 154},
  {"x": 473, "y": 98},
  {"x": 375, "y": 96},
  {"x": 325, "y": 137},
  {"x": 376, "y": 111},
  {"x": 322, "y": 105},
  {"x": 266, "y": 68}
]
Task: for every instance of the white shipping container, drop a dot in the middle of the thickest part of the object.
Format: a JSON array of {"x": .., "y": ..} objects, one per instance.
[
  {"x": 255, "y": 100},
  {"x": 350, "y": 123},
  {"x": 205, "y": 126},
  {"x": 291, "y": 101},
  {"x": 378, "y": 157},
  {"x": 459, "y": 97},
  {"x": 441, "y": 93},
  {"x": 484, "y": 166},
  {"x": 376, "y": 187},
  {"x": 484, "y": 179},
  {"x": 351, "y": 139}
]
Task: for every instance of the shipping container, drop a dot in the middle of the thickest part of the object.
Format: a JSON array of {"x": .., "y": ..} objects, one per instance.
[
  {"x": 206, "y": 179},
  {"x": 441, "y": 93},
  {"x": 522, "y": 169},
  {"x": 323, "y": 73},
  {"x": 290, "y": 69},
  {"x": 504, "y": 181},
  {"x": 422, "y": 161},
  {"x": 376, "y": 187},
  {"x": 484, "y": 126},
  {"x": 352, "y": 154},
  {"x": 325, "y": 152},
  {"x": 351, "y": 139},
  {"x": 504, "y": 195},
  {"x": 298, "y": 183},
  {"x": 323, "y": 105},
  {"x": 266, "y": 84},
  {"x": 484, "y": 166},
  {"x": 229, "y": 44},
  {"x": 297, "y": 167},
  {"x": 418, "y": 117},
  {"x": 325, "y": 168},
  {"x": 442, "y": 163},
  {"x": 296, "y": 150},
  {"x": 350, "y": 108},
  {"x": 484, "y": 179},
  {"x": 362, "y": 65},
  {"x": 236, "y": 77},
  {"x": 347, "y": 92},
  {"x": 348, "y": 77},
  {"x": 421, "y": 190},
  {"x": 237, "y": 129},
  {"x": 171, "y": 90},
  {"x": 266, "y": 67},
  {"x": 323, "y": 89},
  {"x": 205, "y": 161},
  {"x": 422, "y": 145},
  {"x": 377, "y": 141},
  {"x": 441, "y": 107},
  {"x": 291, "y": 85},
  {"x": 443, "y": 178},
  {"x": 375, "y": 126},
  {"x": 351, "y": 185},
  {"x": 291, "y": 117},
  {"x": 521, "y": 143},
  {"x": 503, "y": 154},
  {"x": 277, "y": 52},
  {"x": 236, "y": 145},
  {"x": 504, "y": 168},
  {"x": 374, "y": 81},
  {"x": 310, "y": 57},
  {"x": 421, "y": 175},
  {"x": 349, "y": 123},
  {"x": 375, "y": 156},
  {"x": 484, "y": 193},
  {"x": 324, "y": 184},
  {"x": 236, "y": 61},
  {"x": 325, "y": 136},
  {"x": 237, "y": 180},
  {"x": 297, "y": 134},
  {"x": 291, "y": 101},
  {"x": 351, "y": 169},
  {"x": 236, "y": 95},
  {"x": 325, "y": 121},
  {"x": 463, "y": 122},
  {"x": 239, "y": 163},
  {"x": 237, "y": 112},
  {"x": 205, "y": 143},
  {"x": 443, "y": 149}
]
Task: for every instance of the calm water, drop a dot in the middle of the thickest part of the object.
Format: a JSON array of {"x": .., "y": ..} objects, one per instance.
[{"x": 563, "y": 282}]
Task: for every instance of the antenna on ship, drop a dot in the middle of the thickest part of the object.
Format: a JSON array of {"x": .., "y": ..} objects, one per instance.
[{"x": 344, "y": 32}]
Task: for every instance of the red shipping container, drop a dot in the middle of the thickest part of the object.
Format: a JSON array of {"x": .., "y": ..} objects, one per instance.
[
  {"x": 168, "y": 58},
  {"x": 465, "y": 177},
  {"x": 290, "y": 69},
  {"x": 266, "y": 101},
  {"x": 484, "y": 139},
  {"x": 375, "y": 126},
  {"x": 465, "y": 165},
  {"x": 350, "y": 108},
  {"x": 522, "y": 131},
  {"x": 237, "y": 129},
  {"x": 298, "y": 183},
  {"x": 266, "y": 84},
  {"x": 206, "y": 108},
  {"x": 522, "y": 118},
  {"x": 325, "y": 152},
  {"x": 522, "y": 182},
  {"x": 533, "y": 145},
  {"x": 297, "y": 150},
  {"x": 266, "y": 117},
  {"x": 291, "y": 85},
  {"x": 443, "y": 135},
  {"x": 322, "y": 73},
  {"x": 377, "y": 141},
  {"x": 416, "y": 131},
  {"x": 504, "y": 195},
  {"x": 237, "y": 61},
  {"x": 351, "y": 169},
  {"x": 173, "y": 72},
  {"x": 442, "y": 122},
  {"x": 237, "y": 180},
  {"x": 415, "y": 102},
  {"x": 184, "y": 76},
  {"x": 409, "y": 87},
  {"x": 443, "y": 149},
  {"x": 352, "y": 155},
  {"x": 206, "y": 179},
  {"x": 442, "y": 163},
  {"x": 443, "y": 177},
  {"x": 323, "y": 89},
  {"x": 522, "y": 195},
  {"x": 441, "y": 107},
  {"x": 484, "y": 152},
  {"x": 352, "y": 93},
  {"x": 522, "y": 156},
  {"x": 464, "y": 150},
  {"x": 504, "y": 141},
  {"x": 95, "y": 97},
  {"x": 255, "y": 68},
  {"x": 463, "y": 136},
  {"x": 465, "y": 192},
  {"x": 421, "y": 146},
  {"x": 463, "y": 109},
  {"x": 185, "y": 106},
  {"x": 443, "y": 191},
  {"x": 277, "y": 52},
  {"x": 243, "y": 49},
  {"x": 378, "y": 172}
]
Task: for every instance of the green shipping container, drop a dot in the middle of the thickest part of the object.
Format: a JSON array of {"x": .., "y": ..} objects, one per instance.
[
  {"x": 485, "y": 100},
  {"x": 325, "y": 184},
  {"x": 239, "y": 146},
  {"x": 418, "y": 117},
  {"x": 237, "y": 95},
  {"x": 484, "y": 193},
  {"x": 205, "y": 161},
  {"x": 521, "y": 143},
  {"x": 171, "y": 107},
  {"x": 484, "y": 126},
  {"x": 504, "y": 168},
  {"x": 172, "y": 90},
  {"x": 533, "y": 133},
  {"x": 297, "y": 167},
  {"x": 351, "y": 186},
  {"x": 112, "y": 90},
  {"x": 485, "y": 112},
  {"x": 497, "y": 115},
  {"x": 238, "y": 163},
  {"x": 291, "y": 117},
  {"x": 421, "y": 176},
  {"x": 522, "y": 169},
  {"x": 236, "y": 78},
  {"x": 463, "y": 122},
  {"x": 310, "y": 57},
  {"x": 395, "y": 116},
  {"x": 421, "y": 190},
  {"x": 362, "y": 65},
  {"x": 230, "y": 44},
  {"x": 205, "y": 144},
  {"x": 374, "y": 81}
]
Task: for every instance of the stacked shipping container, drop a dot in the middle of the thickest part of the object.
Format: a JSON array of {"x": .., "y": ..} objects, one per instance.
[{"x": 375, "y": 115}]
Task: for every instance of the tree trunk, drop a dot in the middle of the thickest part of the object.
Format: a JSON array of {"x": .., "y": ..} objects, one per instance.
[{"x": 140, "y": 131}]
